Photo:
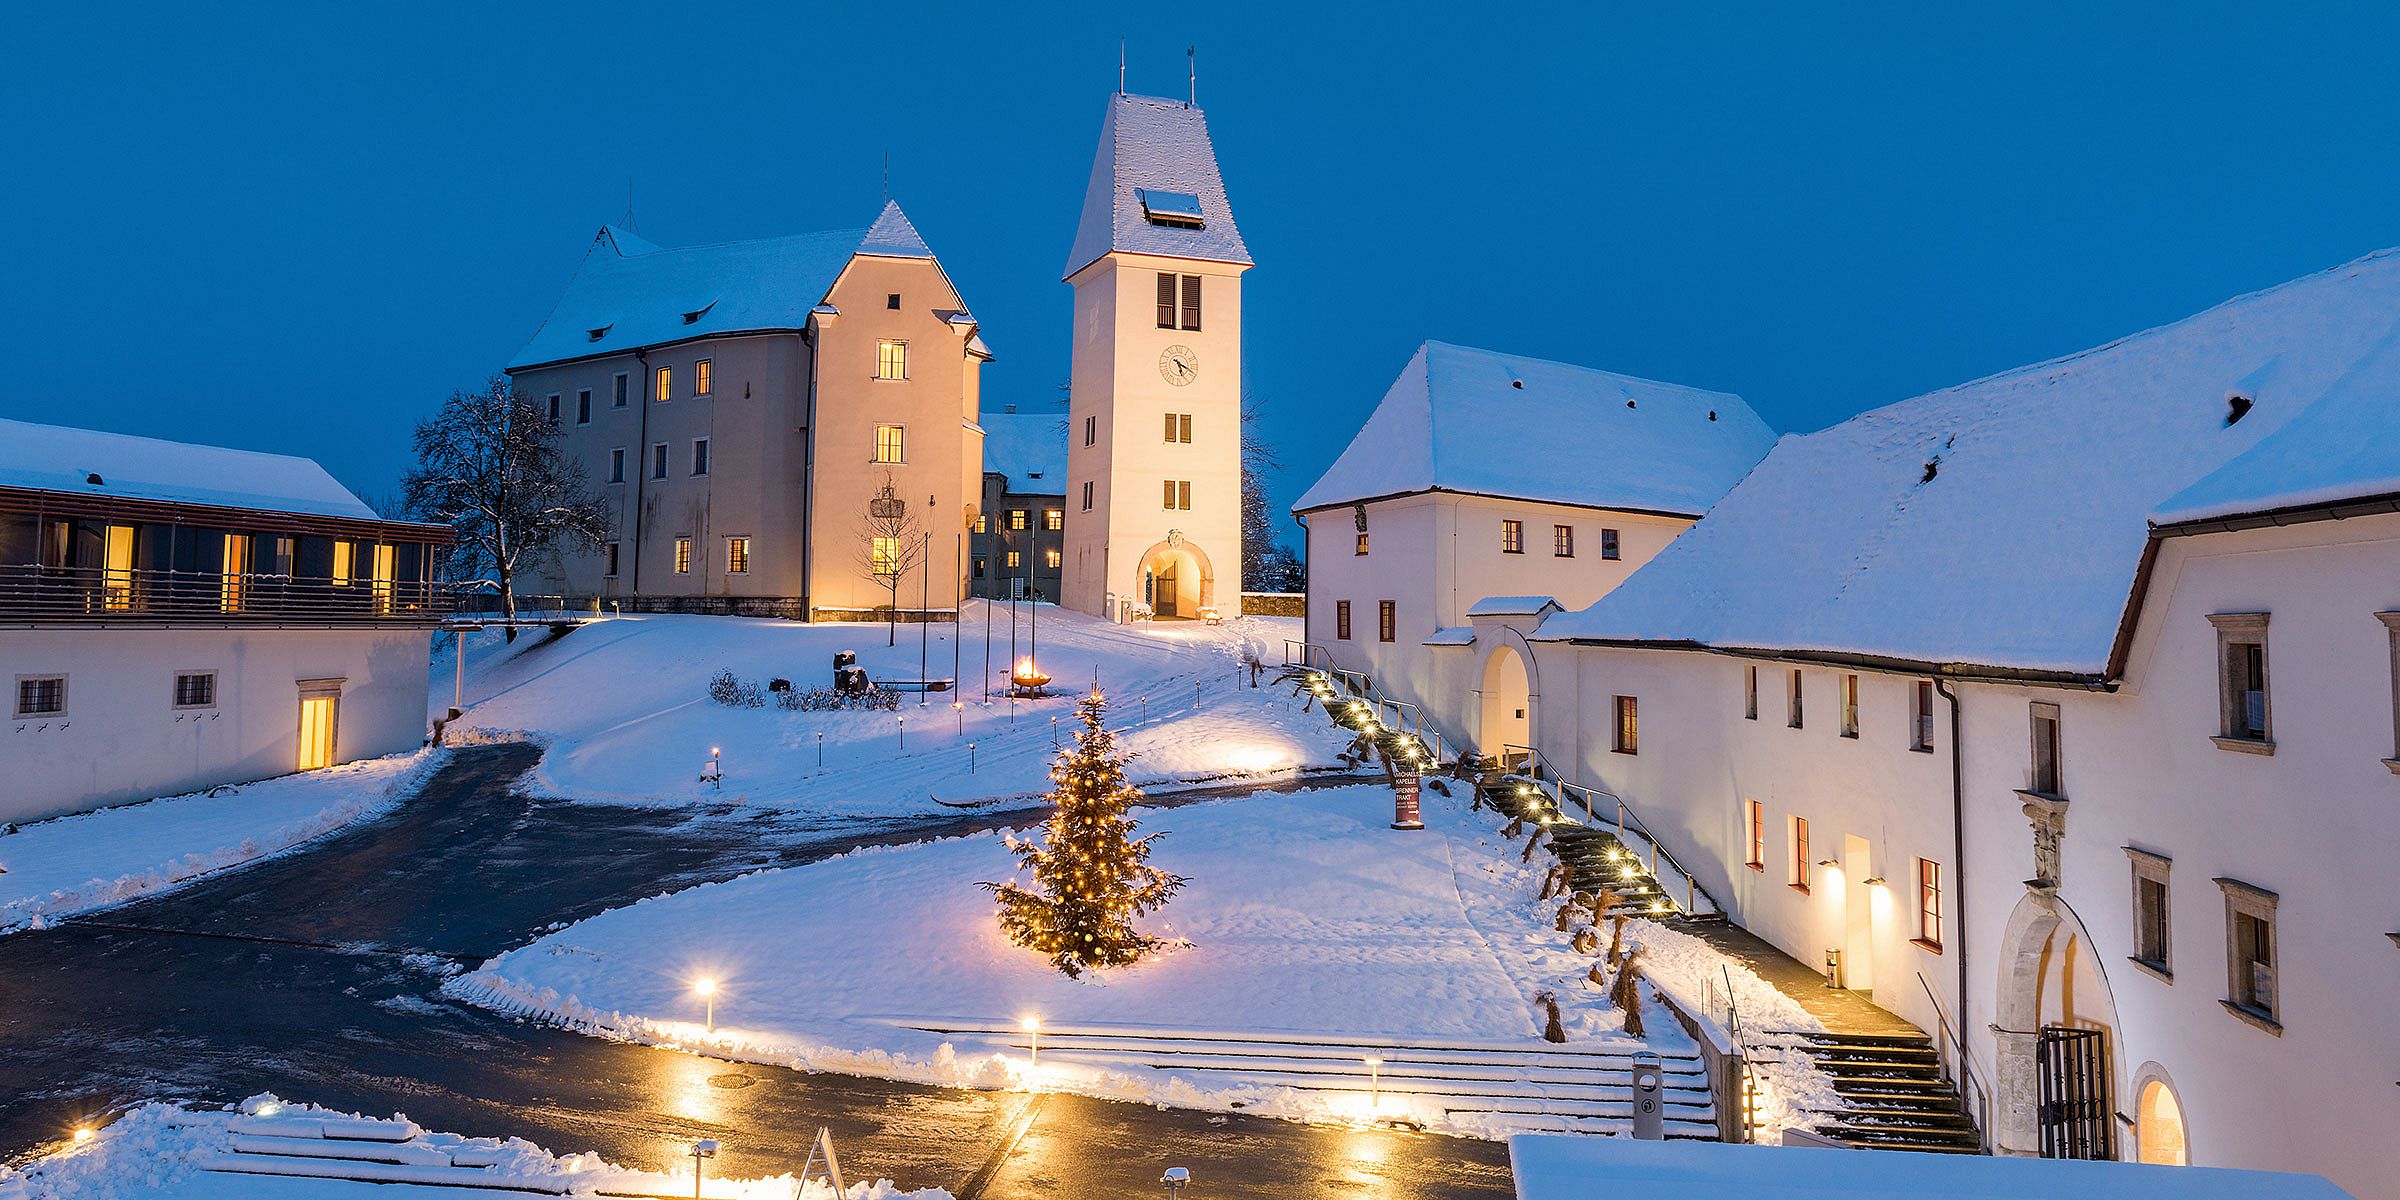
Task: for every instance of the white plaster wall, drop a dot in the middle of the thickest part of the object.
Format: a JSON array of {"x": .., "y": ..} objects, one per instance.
[{"x": 122, "y": 738}]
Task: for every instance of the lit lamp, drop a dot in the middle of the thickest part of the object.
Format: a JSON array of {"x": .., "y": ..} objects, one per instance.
[
  {"x": 1374, "y": 1084},
  {"x": 1033, "y": 1040},
  {"x": 702, "y": 1151},
  {"x": 1027, "y": 677},
  {"x": 708, "y": 991},
  {"x": 83, "y": 1133},
  {"x": 1873, "y": 881}
]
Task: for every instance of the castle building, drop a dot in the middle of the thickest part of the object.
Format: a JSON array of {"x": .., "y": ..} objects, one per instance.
[
  {"x": 742, "y": 406},
  {"x": 1154, "y": 434},
  {"x": 1019, "y": 535}
]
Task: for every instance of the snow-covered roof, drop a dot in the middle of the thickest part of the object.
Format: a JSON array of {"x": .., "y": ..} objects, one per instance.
[
  {"x": 1452, "y": 635},
  {"x": 57, "y": 458},
  {"x": 1028, "y": 447},
  {"x": 1466, "y": 420},
  {"x": 1160, "y": 147},
  {"x": 1512, "y": 606},
  {"x": 630, "y": 294},
  {"x": 2000, "y": 523}
]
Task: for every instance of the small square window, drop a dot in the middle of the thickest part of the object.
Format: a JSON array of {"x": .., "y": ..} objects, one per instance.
[
  {"x": 1015, "y": 559},
  {"x": 1017, "y": 518},
  {"x": 983, "y": 524},
  {"x": 979, "y": 568},
  {"x": 1050, "y": 558},
  {"x": 41, "y": 695},
  {"x": 891, "y": 444},
  {"x": 196, "y": 689},
  {"x": 1054, "y": 520},
  {"x": 892, "y": 301}
]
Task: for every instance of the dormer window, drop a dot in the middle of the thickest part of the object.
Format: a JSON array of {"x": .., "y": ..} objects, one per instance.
[
  {"x": 600, "y": 331},
  {"x": 2237, "y": 406},
  {"x": 693, "y": 317},
  {"x": 1176, "y": 210}
]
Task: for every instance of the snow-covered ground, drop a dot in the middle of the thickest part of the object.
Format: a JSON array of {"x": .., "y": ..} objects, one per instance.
[
  {"x": 73, "y": 864},
  {"x": 622, "y": 708},
  {"x": 272, "y": 1150},
  {"x": 1305, "y": 916}
]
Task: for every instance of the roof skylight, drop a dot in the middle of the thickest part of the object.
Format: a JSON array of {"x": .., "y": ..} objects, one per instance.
[{"x": 1180, "y": 210}]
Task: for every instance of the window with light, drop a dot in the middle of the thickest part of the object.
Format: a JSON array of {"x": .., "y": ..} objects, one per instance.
[
  {"x": 891, "y": 360},
  {"x": 891, "y": 444}
]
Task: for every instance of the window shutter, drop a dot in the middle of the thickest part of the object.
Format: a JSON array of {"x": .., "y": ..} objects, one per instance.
[{"x": 1166, "y": 301}]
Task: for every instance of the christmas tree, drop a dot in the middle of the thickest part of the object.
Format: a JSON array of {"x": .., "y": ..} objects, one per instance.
[{"x": 1091, "y": 876}]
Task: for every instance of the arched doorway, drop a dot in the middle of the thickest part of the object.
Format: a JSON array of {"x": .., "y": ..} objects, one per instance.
[
  {"x": 2057, "y": 1038},
  {"x": 1507, "y": 696},
  {"x": 1176, "y": 579},
  {"x": 2158, "y": 1120}
]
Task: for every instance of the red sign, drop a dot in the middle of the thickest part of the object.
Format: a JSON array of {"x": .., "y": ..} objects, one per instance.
[{"x": 1405, "y": 813}]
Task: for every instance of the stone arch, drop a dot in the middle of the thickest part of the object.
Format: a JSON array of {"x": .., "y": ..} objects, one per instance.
[
  {"x": 2047, "y": 964},
  {"x": 1508, "y": 688},
  {"x": 2161, "y": 1135},
  {"x": 1181, "y": 565}
]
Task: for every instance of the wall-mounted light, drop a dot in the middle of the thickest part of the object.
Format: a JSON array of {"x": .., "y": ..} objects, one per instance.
[
  {"x": 1827, "y": 862},
  {"x": 1873, "y": 881}
]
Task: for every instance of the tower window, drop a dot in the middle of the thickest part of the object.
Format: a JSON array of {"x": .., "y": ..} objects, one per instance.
[
  {"x": 1087, "y": 495},
  {"x": 1166, "y": 301},
  {"x": 1091, "y": 434},
  {"x": 891, "y": 444},
  {"x": 1179, "y": 494},
  {"x": 1179, "y": 210},
  {"x": 1191, "y": 302},
  {"x": 1179, "y": 427},
  {"x": 891, "y": 360}
]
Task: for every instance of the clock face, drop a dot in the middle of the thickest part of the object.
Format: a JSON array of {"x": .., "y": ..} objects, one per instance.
[{"x": 1179, "y": 365}]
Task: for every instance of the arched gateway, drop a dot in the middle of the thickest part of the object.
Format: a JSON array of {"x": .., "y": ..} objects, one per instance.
[{"x": 1177, "y": 580}]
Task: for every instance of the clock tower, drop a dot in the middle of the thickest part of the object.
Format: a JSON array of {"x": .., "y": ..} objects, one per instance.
[{"x": 1154, "y": 433}]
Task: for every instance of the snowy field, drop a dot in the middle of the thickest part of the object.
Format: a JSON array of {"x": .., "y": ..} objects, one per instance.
[
  {"x": 1305, "y": 916},
  {"x": 74, "y": 864},
  {"x": 622, "y": 708},
  {"x": 272, "y": 1150}
]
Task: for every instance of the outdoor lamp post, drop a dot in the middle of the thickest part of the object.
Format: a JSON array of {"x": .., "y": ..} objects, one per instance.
[
  {"x": 1033, "y": 1041},
  {"x": 1175, "y": 1180},
  {"x": 702, "y": 1151},
  {"x": 960, "y": 707},
  {"x": 1374, "y": 1085},
  {"x": 970, "y": 758},
  {"x": 820, "y": 747},
  {"x": 708, "y": 991}
]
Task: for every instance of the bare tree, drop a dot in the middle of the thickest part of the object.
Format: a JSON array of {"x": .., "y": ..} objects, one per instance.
[
  {"x": 1267, "y": 565},
  {"x": 488, "y": 466},
  {"x": 891, "y": 543}
]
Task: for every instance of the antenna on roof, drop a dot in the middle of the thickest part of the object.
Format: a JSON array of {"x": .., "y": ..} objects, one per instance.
[
  {"x": 1120, "y": 66},
  {"x": 887, "y": 175},
  {"x": 628, "y": 222},
  {"x": 1191, "y": 57}
]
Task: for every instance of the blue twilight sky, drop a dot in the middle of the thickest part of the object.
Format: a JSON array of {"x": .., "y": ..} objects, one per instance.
[{"x": 297, "y": 228}]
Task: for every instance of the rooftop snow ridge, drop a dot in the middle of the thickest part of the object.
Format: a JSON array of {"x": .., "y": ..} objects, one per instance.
[
  {"x": 2019, "y": 554},
  {"x": 1457, "y": 419},
  {"x": 88, "y": 462}
]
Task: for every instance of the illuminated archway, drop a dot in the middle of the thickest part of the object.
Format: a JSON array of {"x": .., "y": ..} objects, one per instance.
[
  {"x": 2159, "y": 1134},
  {"x": 1507, "y": 702},
  {"x": 1177, "y": 580},
  {"x": 2049, "y": 974}
]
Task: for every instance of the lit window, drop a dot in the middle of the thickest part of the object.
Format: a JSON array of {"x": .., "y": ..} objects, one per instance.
[
  {"x": 737, "y": 556},
  {"x": 1050, "y": 557},
  {"x": 344, "y": 563},
  {"x": 1341, "y": 620},
  {"x": 2152, "y": 946},
  {"x": 583, "y": 406},
  {"x": 1929, "y": 904},
  {"x": 1562, "y": 541},
  {"x": 1387, "y": 621},
  {"x": 1797, "y": 872},
  {"x": 2250, "y": 984},
  {"x": 979, "y": 568},
  {"x": 41, "y": 695},
  {"x": 1795, "y": 698},
  {"x": 658, "y": 460},
  {"x": 617, "y": 398},
  {"x": 885, "y": 554},
  {"x": 665, "y": 389},
  {"x": 983, "y": 524},
  {"x": 1920, "y": 723},
  {"x": 235, "y": 572},
  {"x": 891, "y": 444},
  {"x": 196, "y": 689},
  {"x": 699, "y": 456},
  {"x": 1512, "y": 537},
  {"x": 1750, "y": 693},
  {"x": 1017, "y": 518},
  {"x": 891, "y": 360},
  {"x": 1054, "y": 519},
  {"x": 1015, "y": 560},
  {"x": 1361, "y": 548},
  {"x": 2242, "y": 682},
  {"x": 616, "y": 465},
  {"x": 1849, "y": 706},
  {"x": 1629, "y": 726},
  {"x": 1755, "y": 834},
  {"x": 683, "y": 555},
  {"x": 2045, "y": 775},
  {"x": 700, "y": 376},
  {"x": 1608, "y": 545}
]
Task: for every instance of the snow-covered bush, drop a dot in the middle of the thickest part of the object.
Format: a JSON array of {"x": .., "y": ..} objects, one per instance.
[
  {"x": 733, "y": 691},
  {"x": 829, "y": 700}
]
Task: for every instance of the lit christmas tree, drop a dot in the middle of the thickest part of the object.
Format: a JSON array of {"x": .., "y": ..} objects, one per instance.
[{"x": 1091, "y": 876}]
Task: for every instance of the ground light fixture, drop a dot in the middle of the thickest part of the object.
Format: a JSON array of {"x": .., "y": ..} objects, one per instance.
[
  {"x": 1033, "y": 1040},
  {"x": 707, "y": 989},
  {"x": 83, "y": 1133},
  {"x": 1175, "y": 1180},
  {"x": 702, "y": 1151},
  {"x": 1374, "y": 1085}
]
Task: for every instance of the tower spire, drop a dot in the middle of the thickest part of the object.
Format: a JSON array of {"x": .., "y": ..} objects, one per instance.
[
  {"x": 1191, "y": 58},
  {"x": 1120, "y": 66}
]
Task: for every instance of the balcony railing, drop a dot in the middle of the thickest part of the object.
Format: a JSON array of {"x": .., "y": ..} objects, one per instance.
[{"x": 103, "y": 595}]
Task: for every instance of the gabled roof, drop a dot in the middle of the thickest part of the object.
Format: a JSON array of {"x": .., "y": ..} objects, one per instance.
[
  {"x": 2346, "y": 446},
  {"x": 1158, "y": 145},
  {"x": 57, "y": 458},
  {"x": 1028, "y": 447},
  {"x": 630, "y": 294},
  {"x": 1514, "y": 606},
  {"x": 1484, "y": 423},
  {"x": 2001, "y": 523}
]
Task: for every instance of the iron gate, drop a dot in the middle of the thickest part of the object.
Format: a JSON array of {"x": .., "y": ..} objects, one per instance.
[{"x": 2075, "y": 1116}]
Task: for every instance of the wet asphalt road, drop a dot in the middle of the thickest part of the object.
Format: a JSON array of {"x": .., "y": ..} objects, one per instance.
[{"x": 317, "y": 975}]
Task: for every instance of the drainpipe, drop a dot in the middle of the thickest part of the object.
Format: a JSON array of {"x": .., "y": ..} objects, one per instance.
[
  {"x": 641, "y": 387},
  {"x": 808, "y": 475},
  {"x": 1301, "y": 520},
  {"x": 1958, "y": 851}
]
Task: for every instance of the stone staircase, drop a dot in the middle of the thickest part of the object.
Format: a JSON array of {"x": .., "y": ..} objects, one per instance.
[
  {"x": 1594, "y": 857},
  {"x": 1493, "y": 1085},
  {"x": 1894, "y": 1094}
]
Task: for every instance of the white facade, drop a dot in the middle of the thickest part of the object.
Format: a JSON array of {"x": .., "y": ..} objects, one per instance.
[
  {"x": 123, "y": 737},
  {"x": 1154, "y": 430}
]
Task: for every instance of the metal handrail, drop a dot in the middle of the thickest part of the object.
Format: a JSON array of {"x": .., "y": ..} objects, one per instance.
[
  {"x": 1966, "y": 1054},
  {"x": 1406, "y": 717},
  {"x": 40, "y": 594},
  {"x": 1537, "y": 763}
]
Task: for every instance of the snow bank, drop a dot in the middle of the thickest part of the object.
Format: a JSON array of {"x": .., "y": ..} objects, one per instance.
[
  {"x": 74, "y": 864},
  {"x": 1305, "y": 915},
  {"x": 174, "y": 1153},
  {"x": 622, "y": 709}
]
